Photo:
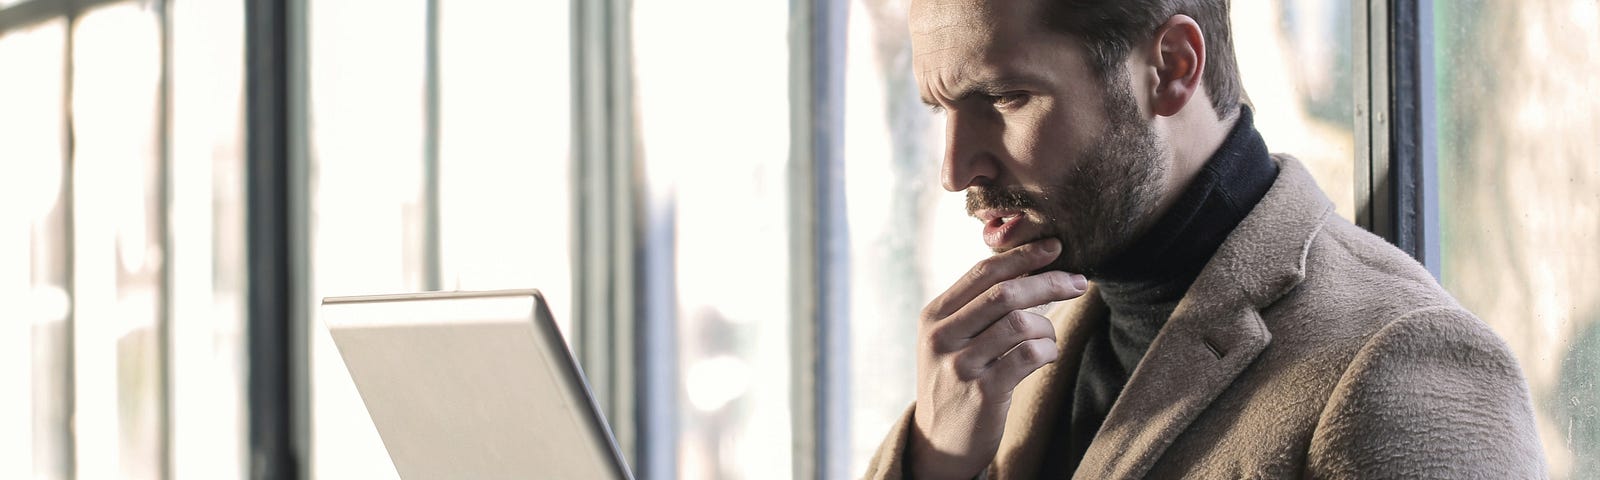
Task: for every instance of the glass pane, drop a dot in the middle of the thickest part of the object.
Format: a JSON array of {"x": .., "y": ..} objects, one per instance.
[
  {"x": 504, "y": 164},
  {"x": 909, "y": 239},
  {"x": 35, "y": 350},
  {"x": 366, "y": 74},
  {"x": 1519, "y": 194},
  {"x": 716, "y": 152},
  {"x": 206, "y": 210},
  {"x": 118, "y": 256},
  {"x": 1295, "y": 59}
]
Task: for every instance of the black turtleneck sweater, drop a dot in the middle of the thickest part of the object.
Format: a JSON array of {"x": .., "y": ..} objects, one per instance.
[{"x": 1142, "y": 286}]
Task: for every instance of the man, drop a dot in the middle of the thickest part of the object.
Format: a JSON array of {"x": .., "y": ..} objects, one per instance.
[{"x": 1235, "y": 327}]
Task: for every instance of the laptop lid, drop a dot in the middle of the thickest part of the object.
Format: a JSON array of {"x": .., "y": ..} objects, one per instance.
[{"x": 472, "y": 385}]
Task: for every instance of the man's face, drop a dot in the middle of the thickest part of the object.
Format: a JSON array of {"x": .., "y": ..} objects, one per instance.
[{"x": 1042, "y": 144}]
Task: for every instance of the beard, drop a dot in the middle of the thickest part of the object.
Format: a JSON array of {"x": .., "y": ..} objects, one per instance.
[{"x": 1105, "y": 200}]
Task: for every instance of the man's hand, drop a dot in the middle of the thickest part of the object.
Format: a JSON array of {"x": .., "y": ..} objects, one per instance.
[{"x": 975, "y": 344}]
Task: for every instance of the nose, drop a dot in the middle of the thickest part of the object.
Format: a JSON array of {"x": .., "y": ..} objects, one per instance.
[{"x": 969, "y": 156}]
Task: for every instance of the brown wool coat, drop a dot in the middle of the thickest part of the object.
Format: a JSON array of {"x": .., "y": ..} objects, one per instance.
[{"x": 1307, "y": 348}]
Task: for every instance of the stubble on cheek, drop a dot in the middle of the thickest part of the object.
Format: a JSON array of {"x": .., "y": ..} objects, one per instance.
[{"x": 1107, "y": 197}]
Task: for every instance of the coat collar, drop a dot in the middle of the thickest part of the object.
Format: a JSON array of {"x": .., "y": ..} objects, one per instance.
[{"x": 1213, "y": 335}]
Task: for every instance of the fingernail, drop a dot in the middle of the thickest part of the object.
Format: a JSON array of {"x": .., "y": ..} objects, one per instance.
[
  {"x": 1079, "y": 282},
  {"x": 1052, "y": 246}
]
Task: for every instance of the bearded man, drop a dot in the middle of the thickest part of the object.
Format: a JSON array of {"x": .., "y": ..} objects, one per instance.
[{"x": 1229, "y": 326}]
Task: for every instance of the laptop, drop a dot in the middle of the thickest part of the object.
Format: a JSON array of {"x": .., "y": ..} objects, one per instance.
[{"x": 472, "y": 385}]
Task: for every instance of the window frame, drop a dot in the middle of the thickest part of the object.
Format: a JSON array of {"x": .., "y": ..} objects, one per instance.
[
  {"x": 277, "y": 318},
  {"x": 819, "y": 240},
  {"x": 1397, "y": 183}
]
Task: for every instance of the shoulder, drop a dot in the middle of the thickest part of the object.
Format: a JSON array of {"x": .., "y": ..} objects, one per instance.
[
  {"x": 1440, "y": 345},
  {"x": 1360, "y": 282},
  {"x": 1434, "y": 391}
]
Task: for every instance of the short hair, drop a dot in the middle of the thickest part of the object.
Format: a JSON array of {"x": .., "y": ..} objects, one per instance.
[{"x": 1110, "y": 29}]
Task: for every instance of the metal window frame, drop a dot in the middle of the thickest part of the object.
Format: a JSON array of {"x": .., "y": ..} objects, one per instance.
[
  {"x": 819, "y": 235},
  {"x": 164, "y": 330},
  {"x": 624, "y": 311},
  {"x": 35, "y": 11},
  {"x": 277, "y": 240},
  {"x": 1397, "y": 182},
  {"x": 432, "y": 260}
]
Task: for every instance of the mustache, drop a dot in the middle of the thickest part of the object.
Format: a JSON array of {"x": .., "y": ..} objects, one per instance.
[{"x": 999, "y": 198}]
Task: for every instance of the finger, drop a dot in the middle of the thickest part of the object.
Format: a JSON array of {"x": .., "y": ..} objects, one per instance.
[
  {"x": 1001, "y": 337},
  {"x": 1002, "y": 378},
  {"x": 1014, "y": 294},
  {"x": 998, "y": 268}
]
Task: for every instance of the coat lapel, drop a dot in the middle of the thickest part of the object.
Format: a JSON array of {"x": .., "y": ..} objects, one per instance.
[
  {"x": 1215, "y": 332},
  {"x": 1196, "y": 356}
]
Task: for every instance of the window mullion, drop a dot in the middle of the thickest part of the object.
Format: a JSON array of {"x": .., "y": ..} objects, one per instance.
[
  {"x": 432, "y": 267},
  {"x": 618, "y": 331},
  {"x": 819, "y": 246}
]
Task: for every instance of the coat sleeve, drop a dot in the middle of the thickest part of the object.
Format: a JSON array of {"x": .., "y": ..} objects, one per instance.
[
  {"x": 889, "y": 461},
  {"x": 1435, "y": 394}
]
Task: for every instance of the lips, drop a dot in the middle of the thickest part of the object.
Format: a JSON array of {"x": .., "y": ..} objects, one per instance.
[{"x": 1000, "y": 227}]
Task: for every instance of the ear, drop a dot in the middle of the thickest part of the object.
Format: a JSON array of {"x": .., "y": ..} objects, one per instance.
[{"x": 1180, "y": 63}]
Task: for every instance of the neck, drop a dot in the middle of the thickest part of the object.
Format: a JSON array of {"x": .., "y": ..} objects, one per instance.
[
  {"x": 1178, "y": 244},
  {"x": 1195, "y": 135}
]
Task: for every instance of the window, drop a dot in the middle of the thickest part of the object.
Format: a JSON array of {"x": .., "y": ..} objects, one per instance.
[
  {"x": 909, "y": 238},
  {"x": 504, "y": 165},
  {"x": 117, "y": 243},
  {"x": 1519, "y": 189},
  {"x": 120, "y": 128},
  {"x": 651, "y": 178},
  {"x": 366, "y": 68},
  {"x": 34, "y": 256},
  {"x": 439, "y": 160},
  {"x": 725, "y": 198},
  {"x": 1296, "y": 62},
  {"x": 206, "y": 221}
]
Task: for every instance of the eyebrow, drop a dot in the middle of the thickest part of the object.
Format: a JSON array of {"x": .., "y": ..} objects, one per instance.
[{"x": 999, "y": 84}]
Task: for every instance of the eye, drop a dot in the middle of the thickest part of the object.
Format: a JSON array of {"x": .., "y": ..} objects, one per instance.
[{"x": 1009, "y": 99}]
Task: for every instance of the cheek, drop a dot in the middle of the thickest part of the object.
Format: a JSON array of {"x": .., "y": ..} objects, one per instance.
[{"x": 1046, "y": 146}]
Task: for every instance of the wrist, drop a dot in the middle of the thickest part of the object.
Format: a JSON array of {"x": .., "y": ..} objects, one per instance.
[{"x": 924, "y": 462}]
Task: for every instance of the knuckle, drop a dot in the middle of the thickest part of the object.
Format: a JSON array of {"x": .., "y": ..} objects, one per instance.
[
  {"x": 1038, "y": 351},
  {"x": 937, "y": 339},
  {"x": 1028, "y": 353},
  {"x": 1046, "y": 331},
  {"x": 963, "y": 368},
  {"x": 1003, "y": 293},
  {"x": 981, "y": 270},
  {"x": 1018, "y": 322},
  {"x": 930, "y": 343},
  {"x": 1060, "y": 282}
]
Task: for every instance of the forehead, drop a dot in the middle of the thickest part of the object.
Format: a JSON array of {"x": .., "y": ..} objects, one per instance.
[
  {"x": 956, "y": 23},
  {"x": 964, "y": 38}
]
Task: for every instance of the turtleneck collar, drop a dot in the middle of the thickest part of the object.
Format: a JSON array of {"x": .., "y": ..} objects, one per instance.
[{"x": 1180, "y": 243}]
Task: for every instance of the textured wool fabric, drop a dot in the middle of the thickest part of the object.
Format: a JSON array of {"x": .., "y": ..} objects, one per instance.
[{"x": 1307, "y": 347}]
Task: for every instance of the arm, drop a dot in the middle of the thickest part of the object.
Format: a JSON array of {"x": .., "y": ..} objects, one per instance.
[{"x": 1435, "y": 394}]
